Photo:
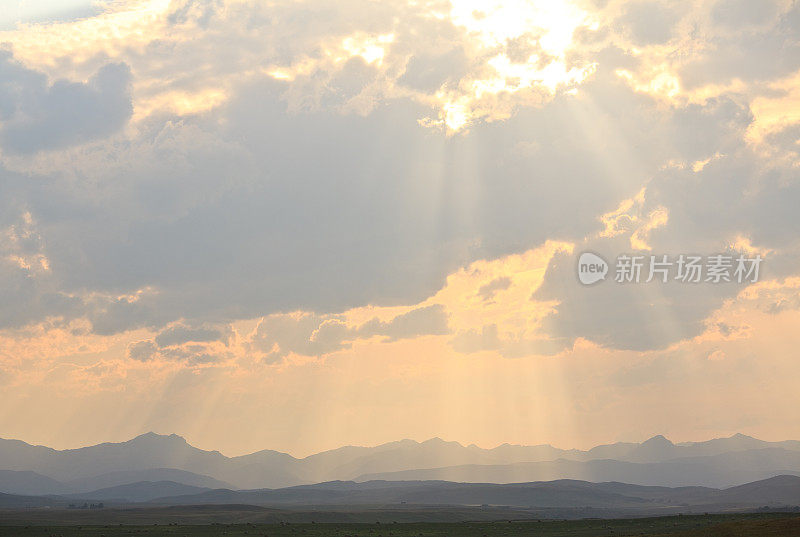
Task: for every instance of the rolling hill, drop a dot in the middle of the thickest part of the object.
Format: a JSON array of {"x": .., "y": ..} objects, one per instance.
[
  {"x": 776, "y": 491},
  {"x": 722, "y": 470}
]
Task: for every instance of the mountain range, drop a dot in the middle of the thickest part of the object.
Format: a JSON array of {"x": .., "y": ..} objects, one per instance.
[
  {"x": 559, "y": 499},
  {"x": 169, "y": 460}
]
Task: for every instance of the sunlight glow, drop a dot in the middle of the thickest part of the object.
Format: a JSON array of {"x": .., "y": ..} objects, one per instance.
[
  {"x": 496, "y": 22},
  {"x": 371, "y": 48},
  {"x": 180, "y": 102},
  {"x": 536, "y": 38}
]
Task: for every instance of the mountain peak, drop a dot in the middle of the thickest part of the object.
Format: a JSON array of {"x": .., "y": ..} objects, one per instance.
[
  {"x": 658, "y": 440},
  {"x": 436, "y": 441},
  {"x": 150, "y": 436}
]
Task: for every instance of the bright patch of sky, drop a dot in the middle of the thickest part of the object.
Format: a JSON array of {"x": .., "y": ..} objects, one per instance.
[{"x": 16, "y": 12}]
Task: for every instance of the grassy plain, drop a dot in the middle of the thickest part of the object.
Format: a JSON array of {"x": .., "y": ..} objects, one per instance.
[{"x": 733, "y": 525}]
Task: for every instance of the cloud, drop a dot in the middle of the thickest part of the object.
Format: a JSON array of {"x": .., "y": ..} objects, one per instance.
[
  {"x": 191, "y": 346},
  {"x": 647, "y": 22},
  {"x": 241, "y": 222},
  {"x": 745, "y": 47},
  {"x": 142, "y": 351},
  {"x": 428, "y": 73},
  {"x": 429, "y": 46},
  {"x": 639, "y": 317},
  {"x": 36, "y": 115},
  {"x": 396, "y": 185},
  {"x": 743, "y": 13},
  {"x": 487, "y": 291},
  {"x": 29, "y": 291},
  {"x": 180, "y": 334},
  {"x": 423, "y": 321},
  {"x": 312, "y": 186},
  {"x": 213, "y": 224},
  {"x": 737, "y": 193},
  {"x": 305, "y": 333},
  {"x": 708, "y": 212},
  {"x": 313, "y": 335}
]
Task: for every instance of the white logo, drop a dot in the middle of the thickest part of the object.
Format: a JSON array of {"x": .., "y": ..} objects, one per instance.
[
  {"x": 685, "y": 268},
  {"x": 591, "y": 268}
]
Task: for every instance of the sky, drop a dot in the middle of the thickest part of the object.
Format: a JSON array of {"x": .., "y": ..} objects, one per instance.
[{"x": 300, "y": 225}]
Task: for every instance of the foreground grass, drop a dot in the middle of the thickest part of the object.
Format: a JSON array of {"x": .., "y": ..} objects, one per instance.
[{"x": 738, "y": 525}]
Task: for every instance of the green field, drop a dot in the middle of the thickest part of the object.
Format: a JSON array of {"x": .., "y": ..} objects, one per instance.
[{"x": 750, "y": 525}]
